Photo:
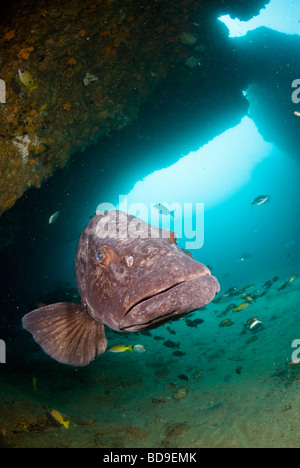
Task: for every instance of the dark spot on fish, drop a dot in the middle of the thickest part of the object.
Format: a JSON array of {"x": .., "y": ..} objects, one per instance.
[
  {"x": 159, "y": 400},
  {"x": 213, "y": 407},
  {"x": 251, "y": 339},
  {"x": 231, "y": 290},
  {"x": 255, "y": 296},
  {"x": 173, "y": 332},
  {"x": 178, "y": 353},
  {"x": 189, "y": 316},
  {"x": 230, "y": 307},
  {"x": 245, "y": 256},
  {"x": 191, "y": 323},
  {"x": 171, "y": 344},
  {"x": 263, "y": 293},
  {"x": 226, "y": 323},
  {"x": 183, "y": 377},
  {"x": 175, "y": 430},
  {"x": 161, "y": 373},
  {"x": 217, "y": 300}
]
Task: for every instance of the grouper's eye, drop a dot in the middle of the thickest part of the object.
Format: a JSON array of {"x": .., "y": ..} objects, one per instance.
[
  {"x": 100, "y": 256},
  {"x": 105, "y": 256}
]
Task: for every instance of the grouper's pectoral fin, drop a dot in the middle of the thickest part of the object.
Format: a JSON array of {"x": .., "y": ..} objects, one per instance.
[{"x": 67, "y": 333}]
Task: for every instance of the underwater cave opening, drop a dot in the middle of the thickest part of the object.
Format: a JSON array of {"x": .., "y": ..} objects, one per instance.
[{"x": 277, "y": 15}]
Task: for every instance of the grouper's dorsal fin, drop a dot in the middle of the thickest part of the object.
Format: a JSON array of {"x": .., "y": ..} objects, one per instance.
[{"x": 67, "y": 333}]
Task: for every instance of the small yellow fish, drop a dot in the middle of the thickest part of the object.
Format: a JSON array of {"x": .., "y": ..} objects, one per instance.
[
  {"x": 120, "y": 348},
  {"x": 26, "y": 79},
  {"x": 242, "y": 306},
  {"x": 58, "y": 417},
  {"x": 292, "y": 278},
  {"x": 294, "y": 363},
  {"x": 42, "y": 108},
  {"x": 34, "y": 382}
]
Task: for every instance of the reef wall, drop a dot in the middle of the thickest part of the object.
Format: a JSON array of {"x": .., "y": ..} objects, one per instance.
[{"x": 86, "y": 67}]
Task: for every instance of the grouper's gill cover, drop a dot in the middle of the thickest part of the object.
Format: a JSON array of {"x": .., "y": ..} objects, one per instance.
[{"x": 131, "y": 276}]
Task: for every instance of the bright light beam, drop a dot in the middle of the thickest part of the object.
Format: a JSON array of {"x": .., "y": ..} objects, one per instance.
[
  {"x": 279, "y": 15},
  {"x": 210, "y": 175}
]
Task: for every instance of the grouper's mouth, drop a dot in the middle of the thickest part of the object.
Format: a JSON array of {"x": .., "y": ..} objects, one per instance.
[{"x": 176, "y": 300}]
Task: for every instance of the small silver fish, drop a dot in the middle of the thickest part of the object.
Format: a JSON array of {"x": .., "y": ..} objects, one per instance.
[
  {"x": 261, "y": 199},
  {"x": 89, "y": 78},
  {"x": 245, "y": 256},
  {"x": 53, "y": 217},
  {"x": 139, "y": 348},
  {"x": 162, "y": 209},
  {"x": 256, "y": 325}
]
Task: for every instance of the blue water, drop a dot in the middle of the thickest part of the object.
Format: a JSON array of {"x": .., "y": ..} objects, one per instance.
[{"x": 224, "y": 161}]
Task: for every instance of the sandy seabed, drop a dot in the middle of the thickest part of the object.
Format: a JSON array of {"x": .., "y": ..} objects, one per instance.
[{"x": 156, "y": 399}]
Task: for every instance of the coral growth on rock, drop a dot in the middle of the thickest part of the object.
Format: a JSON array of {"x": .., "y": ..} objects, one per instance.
[{"x": 129, "y": 46}]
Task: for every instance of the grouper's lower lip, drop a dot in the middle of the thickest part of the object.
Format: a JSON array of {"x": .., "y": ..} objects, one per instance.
[{"x": 175, "y": 301}]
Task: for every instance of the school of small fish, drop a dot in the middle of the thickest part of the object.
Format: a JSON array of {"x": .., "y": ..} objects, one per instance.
[{"x": 251, "y": 327}]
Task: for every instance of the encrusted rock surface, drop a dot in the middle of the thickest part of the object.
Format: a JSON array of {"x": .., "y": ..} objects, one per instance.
[{"x": 129, "y": 46}]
